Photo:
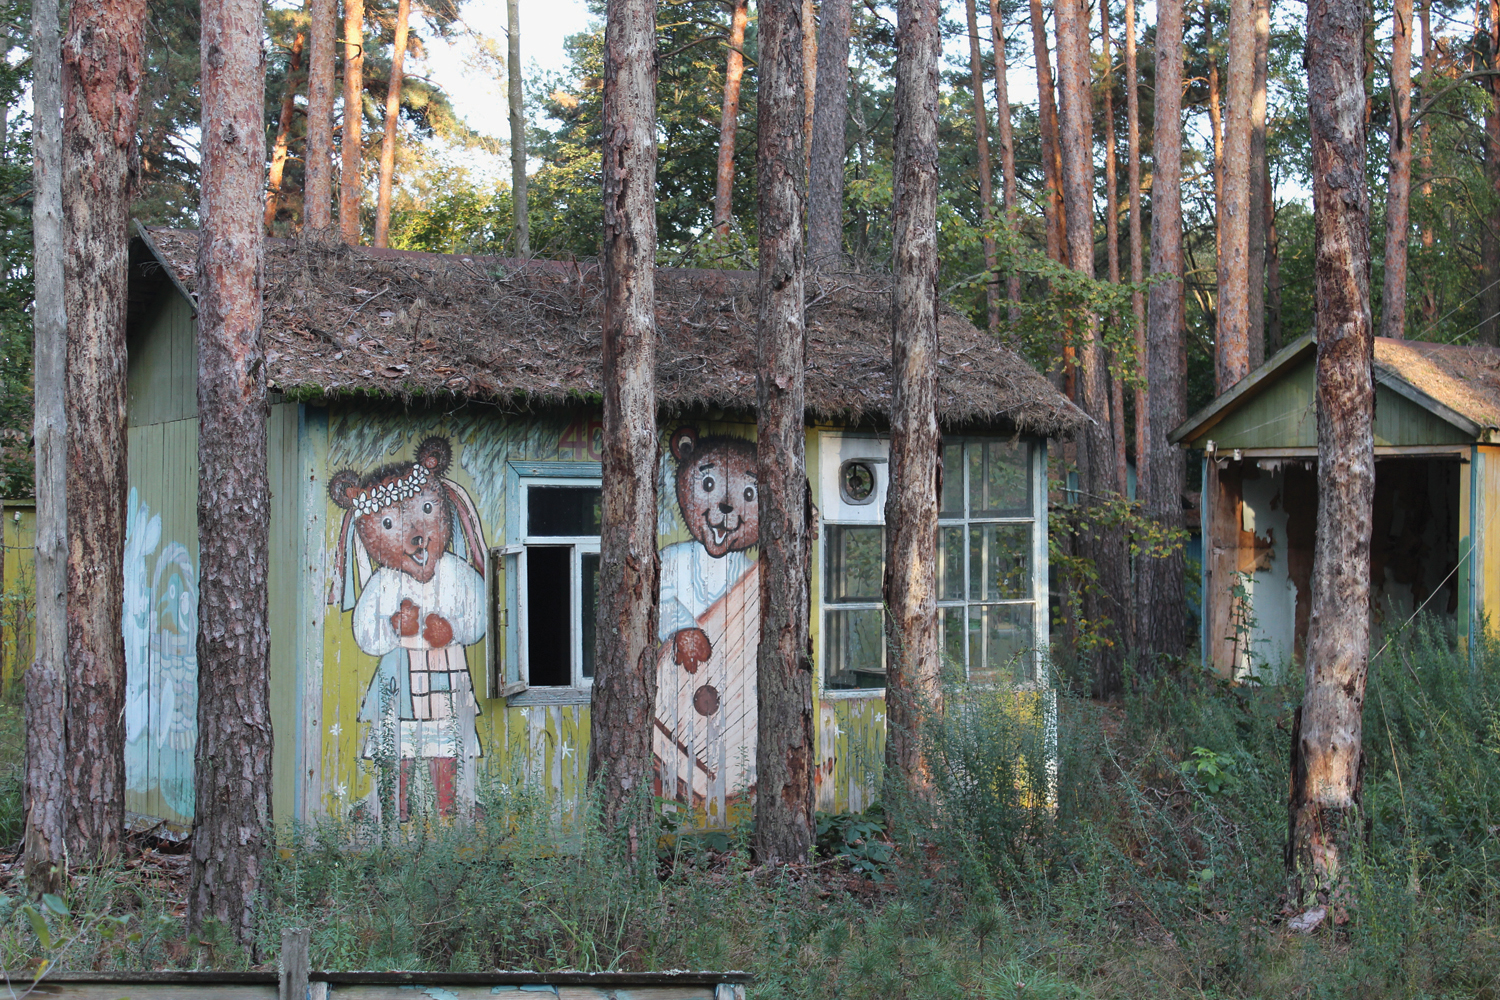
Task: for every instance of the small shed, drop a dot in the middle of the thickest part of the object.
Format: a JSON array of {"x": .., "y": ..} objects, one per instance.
[
  {"x": 458, "y": 398},
  {"x": 1434, "y": 546}
]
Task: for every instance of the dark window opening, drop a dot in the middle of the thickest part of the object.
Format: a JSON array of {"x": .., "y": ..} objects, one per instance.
[
  {"x": 563, "y": 511},
  {"x": 549, "y": 637}
]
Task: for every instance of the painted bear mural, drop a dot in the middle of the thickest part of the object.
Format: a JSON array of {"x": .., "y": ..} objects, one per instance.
[
  {"x": 704, "y": 740},
  {"x": 421, "y": 601}
]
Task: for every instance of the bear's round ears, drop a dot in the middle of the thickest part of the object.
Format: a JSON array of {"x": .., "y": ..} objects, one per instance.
[
  {"x": 343, "y": 488},
  {"x": 684, "y": 443},
  {"x": 435, "y": 454}
]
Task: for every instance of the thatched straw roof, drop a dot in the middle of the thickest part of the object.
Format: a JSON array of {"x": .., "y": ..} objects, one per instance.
[
  {"x": 1466, "y": 378},
  {"x": 344, "y": 322}
]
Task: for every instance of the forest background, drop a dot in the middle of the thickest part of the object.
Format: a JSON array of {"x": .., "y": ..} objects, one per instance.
[{"x": 444, "y": 203}]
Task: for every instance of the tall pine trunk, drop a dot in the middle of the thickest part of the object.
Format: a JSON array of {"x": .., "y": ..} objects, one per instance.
[
  {"x": 1259, "y": 184},
  {"x": 392, "y": 118},
  {"x": 317, "y": 194},
  {"x": 825, "y": 177},
  {"x": 47, "y": 678},
  {"x": 809, "y": 76},
  {"x": 1160, "y": 589},
  {"x": 1216, "y": 130},
  {"x": 284, "y": 134},
  {"x": 101, "y": 62},
  {"x": 1107, "y": 602},
  {"x": 1232, "y": 357},
  {"x": 1137, "y": 255},
  {"x": 982, "y": 167},
  {"x": 786, "y": 746},
  {"x": 1489, "y": 233},
  {"x": 1327, "y": 738},
  {"x": 1052, "y": 208},
  {"x": 624, "y": 693},
  {"x": 232, "y": 825},
  {"x": 1112, "y": 241},
  {"x": 1398, "y": 182},
  {"x": 734, "y": 72},
  {"x": 1005, "y": 139},
  {"x": 351, "y": 148},
  {"x": 520, "y": 221},
  {"x": 912, "y": 689},
  {"x": 1429, "y": 304}
]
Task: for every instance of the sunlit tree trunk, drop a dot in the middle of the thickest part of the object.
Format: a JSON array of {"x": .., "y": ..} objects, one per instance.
[
  {"x": 734, "y": 72},
  {"x": 317, "y": 194},
  {"x": 283, "y": 134},
  {"x": 1107, "y": 603},
  {"x": 1259, "y": 185},
  {"x": 232, "y": 824},
  {"x": 1137, "y": 254},
  {"x": 521, "y": 223},
  {"x": 1232, "y": 355},
  {"x": 1005, "y": 139},
  {"x": 624, "y": 691},
  {"x": 392, "y": 119},
  {"x": 351, "y": 149},
  {"x": 1398, "y": 182},
  {"x": 1428, "y": 299},
  {"x": 47, "y": 678},
  {"x": 786, "y": 744},
  {"x": 809, "y": 73},
  {"x": 825, "y": 194},
  {"x": 1112, "y": 240},
  {"x": 1160, "y": 586},
  {"x": 101, "y": 79},
  {"x": 1327, "y": 737},
  {"x": 1057, "y": 239},
  {"x": 912, "y": 689},
  {"x": 1489, "y": 233},
  {"x": 982, "y": 149}
]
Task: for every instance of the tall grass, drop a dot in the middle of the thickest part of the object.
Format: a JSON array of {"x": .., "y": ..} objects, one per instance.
[{"x": 1148, "y": 863}]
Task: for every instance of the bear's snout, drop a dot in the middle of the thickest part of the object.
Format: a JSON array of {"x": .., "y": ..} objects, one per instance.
[{"x": 725, "y": 507}]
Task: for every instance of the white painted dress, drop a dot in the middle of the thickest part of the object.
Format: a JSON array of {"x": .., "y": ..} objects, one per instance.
[{"x": 422, "y": 695}]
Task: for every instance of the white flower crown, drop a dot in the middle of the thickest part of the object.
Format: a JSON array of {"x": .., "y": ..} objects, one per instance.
[{"x": 394, "y": 491}]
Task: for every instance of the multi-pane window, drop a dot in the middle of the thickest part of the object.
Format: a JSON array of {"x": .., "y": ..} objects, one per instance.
[
  {"x": 987, "y": 572},
  {"x": 555, "y": 569}
]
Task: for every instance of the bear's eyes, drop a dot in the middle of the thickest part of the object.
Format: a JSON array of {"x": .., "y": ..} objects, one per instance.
[
  {"x": 387, "y": 523},
  {"x": 427, "y": 507},
  {"x": 749, "y": 494},
  {"x": 708, "y": 484}
]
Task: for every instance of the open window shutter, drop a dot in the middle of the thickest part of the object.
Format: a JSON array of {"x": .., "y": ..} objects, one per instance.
[{"x": 506, "y": 676}]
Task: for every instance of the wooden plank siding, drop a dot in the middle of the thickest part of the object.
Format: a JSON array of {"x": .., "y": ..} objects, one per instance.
[{"x": 17, "y": 587}]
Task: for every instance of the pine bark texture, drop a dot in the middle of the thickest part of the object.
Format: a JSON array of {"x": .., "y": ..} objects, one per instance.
[
  {"x": 1398, "y": 181},
  {"x": 1232, "y": 357},
  {"x": 1137, "y": 251},
  {"x": 284, "y": 133},
  {"x": 1259, "y": 184},
  {"x": 624, "y": 694},
  {"x": 317, "y": 197},
  {"x": 912, "y": 689},
  {"x": 825, "y": 178},
  {"x": 1489, "y": 233},
  {"x": 809, "y": 75},
  {"x": 47, "y": 678},
  {"x": 392, "y": 119},
  {"x": 1005, "y": 139},
  {"x": 1428, "y": 300},
  {"x": 232, "y": 827},
  {"x": 1051, "y": 155},
  {"x": 1107, "y": 603},
  {"x": 734, "y": 72},
  {"x": 982, "y": 166},
  {"x": 101, "y": 79},
  {"x": 786, "y": 746},
  {"x": 351, "y": 148},
  {"x": 1112, "y": 241},
  {"x": 1327, "y": 746},
  {"x": 1160, "y": 593},
  {"x": 521, "y": 223}
]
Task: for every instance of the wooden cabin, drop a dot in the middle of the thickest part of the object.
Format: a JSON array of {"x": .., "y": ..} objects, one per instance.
[
  {"x": 1434, "y": 547},
  {"x": 461, "y": 395}
]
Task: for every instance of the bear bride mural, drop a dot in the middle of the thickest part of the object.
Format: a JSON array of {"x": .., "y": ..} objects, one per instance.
[
  {"x": 704, "y": 739},
  {"x": 412, "y": 547}
]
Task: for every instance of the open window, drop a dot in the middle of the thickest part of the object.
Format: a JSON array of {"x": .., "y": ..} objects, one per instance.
[{"x": 546, "y": 587}]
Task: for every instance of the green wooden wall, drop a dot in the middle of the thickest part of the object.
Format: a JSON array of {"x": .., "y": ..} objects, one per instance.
[{"x": 1283, "y": 415}]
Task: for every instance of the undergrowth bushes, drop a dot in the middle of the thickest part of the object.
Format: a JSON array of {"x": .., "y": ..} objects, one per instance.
[{"x": 1076, "y": 850}]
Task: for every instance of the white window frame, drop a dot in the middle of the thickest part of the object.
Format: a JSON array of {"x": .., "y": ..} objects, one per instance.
[
  {"x": 512, "y": 606},
  {"x": 1039, "y": 590}
]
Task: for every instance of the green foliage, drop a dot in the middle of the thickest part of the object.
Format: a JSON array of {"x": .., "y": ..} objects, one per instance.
[
  {"x": 856, "y": 838},
  {"x": 1213, "y": 772}
]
